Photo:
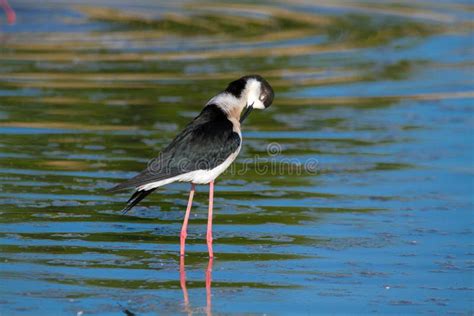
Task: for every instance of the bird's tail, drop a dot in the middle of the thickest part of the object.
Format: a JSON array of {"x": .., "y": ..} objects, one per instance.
[
  {"x": 135, "y": 199},
  {"x": 122, "y": 186}
]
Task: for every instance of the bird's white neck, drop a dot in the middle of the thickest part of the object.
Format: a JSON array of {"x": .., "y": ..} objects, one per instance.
[{"x": 231, "y": 105}]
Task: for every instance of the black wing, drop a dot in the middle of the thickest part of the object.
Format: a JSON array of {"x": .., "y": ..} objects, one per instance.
[{"x": 205, "y": 143}]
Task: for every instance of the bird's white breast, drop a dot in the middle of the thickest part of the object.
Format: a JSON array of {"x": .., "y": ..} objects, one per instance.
[
  {"x": 201, "y": 176},
  {"x": 206, "y": 176}
]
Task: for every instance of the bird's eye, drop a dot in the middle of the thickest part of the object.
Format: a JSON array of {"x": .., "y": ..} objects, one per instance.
[{"x": 262, "y": 97}]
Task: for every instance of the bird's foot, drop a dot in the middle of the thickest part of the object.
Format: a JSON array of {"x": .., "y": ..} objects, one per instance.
[
  {"x": 209, "y": 244},
  {"x": 182, "y": 243}
]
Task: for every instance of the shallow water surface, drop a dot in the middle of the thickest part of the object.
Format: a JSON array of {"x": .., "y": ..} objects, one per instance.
[{"x": 352, "y": 194}]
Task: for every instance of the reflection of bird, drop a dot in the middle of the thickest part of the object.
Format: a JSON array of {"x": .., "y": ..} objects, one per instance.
[
  {"x": 182, "y": 281},
  {"x": 9, "y": 12},
  {"x": 205, "y": 148}
]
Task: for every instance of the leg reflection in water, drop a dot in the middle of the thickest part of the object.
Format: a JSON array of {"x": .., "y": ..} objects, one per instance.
[
  {"x": 182, "y": 281},
  {"x": 208, "y": 287}
]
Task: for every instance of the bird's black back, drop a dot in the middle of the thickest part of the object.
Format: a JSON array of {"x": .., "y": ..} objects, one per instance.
[{"x": 206, "y": 142}]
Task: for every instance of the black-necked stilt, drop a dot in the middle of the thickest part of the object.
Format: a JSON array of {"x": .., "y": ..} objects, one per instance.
[{"x": 205, "y": 148}]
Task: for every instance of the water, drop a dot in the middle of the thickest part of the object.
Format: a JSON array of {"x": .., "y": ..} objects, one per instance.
[{"x": 380, "y": 95}]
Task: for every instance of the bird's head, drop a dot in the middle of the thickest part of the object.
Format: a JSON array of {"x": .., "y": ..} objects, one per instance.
[{"x": 243, "y": 95}]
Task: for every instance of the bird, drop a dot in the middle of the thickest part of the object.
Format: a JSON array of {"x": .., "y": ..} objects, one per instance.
[
  {"x": 9, "y": 12},
  {"x": 204, "y": 149}
]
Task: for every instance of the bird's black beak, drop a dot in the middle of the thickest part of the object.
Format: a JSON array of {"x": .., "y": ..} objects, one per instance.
[{"x": 247, "y": 111}]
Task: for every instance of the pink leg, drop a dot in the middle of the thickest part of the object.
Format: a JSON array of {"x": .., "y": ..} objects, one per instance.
[
  {"x": 184, "y": 229},
  {"x": 209, "y": 220}
]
